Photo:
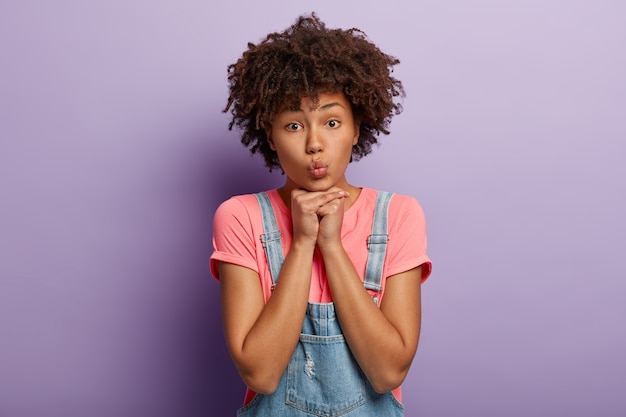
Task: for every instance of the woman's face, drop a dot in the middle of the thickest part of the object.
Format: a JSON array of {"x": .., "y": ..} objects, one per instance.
[{"x": 314, "y": 145}]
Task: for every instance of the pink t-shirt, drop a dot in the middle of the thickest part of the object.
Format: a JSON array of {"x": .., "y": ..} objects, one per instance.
[{"x": 237, "y": 227}]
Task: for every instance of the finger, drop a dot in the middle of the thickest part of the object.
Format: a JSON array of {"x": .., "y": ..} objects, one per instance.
[
  {"x": 312, "y": 201},
  {"x": 333, "y": 206}
]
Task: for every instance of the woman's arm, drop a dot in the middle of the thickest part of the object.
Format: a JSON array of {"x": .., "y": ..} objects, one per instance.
[
  {"x": 261, "y": 337},
  {"x": 383, "y": 341}
]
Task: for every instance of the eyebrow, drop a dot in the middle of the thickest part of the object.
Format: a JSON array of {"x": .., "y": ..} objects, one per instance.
[
  {"x": 330, "y": 105},
  {"x": 321, "y": 108}
]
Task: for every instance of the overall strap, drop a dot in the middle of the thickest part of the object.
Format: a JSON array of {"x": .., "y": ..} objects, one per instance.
[
  {"x": 271, "y": 237},
  {"x": 377, "y": 243}
]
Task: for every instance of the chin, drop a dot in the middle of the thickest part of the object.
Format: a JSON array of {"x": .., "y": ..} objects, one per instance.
[
  {"x": 319, "y": 186},
  {"x": 314, "y": 184}
]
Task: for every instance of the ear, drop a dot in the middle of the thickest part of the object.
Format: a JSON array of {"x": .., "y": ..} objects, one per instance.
[
  {"x": 268, "y": 134},
  {"x": 357, "y": 132}
]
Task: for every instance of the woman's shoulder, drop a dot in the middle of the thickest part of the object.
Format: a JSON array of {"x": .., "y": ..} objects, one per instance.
[
  {"x": 241, "y": 208},
  {"x": 236, "y": 205},
  {"x": 244, "y": 201},
  {"x": 399, "y": 202}
]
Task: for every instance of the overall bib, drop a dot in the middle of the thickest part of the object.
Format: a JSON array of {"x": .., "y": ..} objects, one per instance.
[{"x": 323, "y": 378}]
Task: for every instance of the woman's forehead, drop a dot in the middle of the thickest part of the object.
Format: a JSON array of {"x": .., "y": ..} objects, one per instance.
[{"x": 322, "y": 101}]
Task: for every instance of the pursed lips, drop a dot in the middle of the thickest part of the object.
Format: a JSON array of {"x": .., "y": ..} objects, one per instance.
[{"x": 318, "y": 169}]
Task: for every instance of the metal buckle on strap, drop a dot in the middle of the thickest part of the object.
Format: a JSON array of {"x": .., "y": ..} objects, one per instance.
[{"x": 377, "y": 240}]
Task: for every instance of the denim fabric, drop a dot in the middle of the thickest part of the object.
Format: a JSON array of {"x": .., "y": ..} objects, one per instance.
[
  {"x": 270, "y": 239},
  {"x": 377, "y": 243},
  {"x": 323, "y": 378}
]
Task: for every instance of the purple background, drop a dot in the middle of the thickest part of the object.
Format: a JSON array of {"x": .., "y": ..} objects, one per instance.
[{"x": 114, "y": 155}]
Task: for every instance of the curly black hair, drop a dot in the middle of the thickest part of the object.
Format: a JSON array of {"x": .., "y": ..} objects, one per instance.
[{"x": 305, "y": 60}]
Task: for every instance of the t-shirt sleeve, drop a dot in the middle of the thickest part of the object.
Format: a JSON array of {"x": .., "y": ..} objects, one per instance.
[
  {"x": 407, "y": 237},
  {"x": 233, "y": 240}
]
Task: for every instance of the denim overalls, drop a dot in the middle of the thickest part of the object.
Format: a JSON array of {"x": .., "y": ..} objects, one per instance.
[{"x": 323, "y": 378}]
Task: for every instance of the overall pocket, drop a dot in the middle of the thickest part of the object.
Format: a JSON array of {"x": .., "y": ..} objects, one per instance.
[{"x": 323, "y": 378}]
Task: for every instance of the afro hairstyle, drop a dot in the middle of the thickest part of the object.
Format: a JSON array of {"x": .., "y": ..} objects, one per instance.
[{"x": 305, "y": 60}]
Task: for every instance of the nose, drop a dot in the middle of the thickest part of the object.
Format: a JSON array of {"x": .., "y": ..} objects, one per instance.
[{"x": 313, "y": 142}]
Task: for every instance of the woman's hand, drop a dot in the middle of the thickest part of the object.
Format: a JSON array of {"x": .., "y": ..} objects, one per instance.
[
  {"x": 317, "y": 216},
  {"x": 331, "y": 218}
]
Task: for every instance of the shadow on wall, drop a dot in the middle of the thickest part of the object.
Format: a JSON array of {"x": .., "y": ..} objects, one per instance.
[
  {"x": 235, "y": 171},
  {"x": 231, "y": 170}
]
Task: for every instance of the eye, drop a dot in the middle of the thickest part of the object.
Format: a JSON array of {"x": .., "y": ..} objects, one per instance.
[
  {"x": 333, "y": 123},
  {"x": 293, "y": 127}
]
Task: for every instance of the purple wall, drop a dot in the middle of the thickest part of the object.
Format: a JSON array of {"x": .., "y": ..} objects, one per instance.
[{"x": 114, "y": 155}]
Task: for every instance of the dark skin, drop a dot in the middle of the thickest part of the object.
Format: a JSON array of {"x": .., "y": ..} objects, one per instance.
[
  {"x": 314, "y": 145},
  {"x": 307, "y": 59}
]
